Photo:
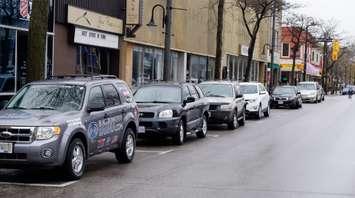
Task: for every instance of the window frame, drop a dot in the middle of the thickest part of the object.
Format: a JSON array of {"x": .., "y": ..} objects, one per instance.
[{"x": 288, "y": 50}]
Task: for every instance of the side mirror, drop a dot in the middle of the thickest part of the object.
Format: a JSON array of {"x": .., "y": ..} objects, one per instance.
[
  {"x": 239, "y": 96},
  {"x": 93, "y": 107},
  {"x": 189, "y": 100}
]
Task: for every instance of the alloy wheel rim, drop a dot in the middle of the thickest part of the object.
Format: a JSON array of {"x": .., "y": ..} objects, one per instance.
[
  {"x": 204, "y": 126},
  {"x": 181, "y": 133},
  {"x": 235, "y": 121},
  {"x": 129, "y": 145},
  {"x": 260, "y": 111},
  {"x": 77, "y": 159}
]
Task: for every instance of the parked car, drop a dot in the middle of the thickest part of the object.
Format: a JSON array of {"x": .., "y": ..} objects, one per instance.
[
  {"x": 345, "y": 91},
  {"x": 257, "y": 97},
  {"x": 66, "y": 120},
  {"x": 172, "y": 110},
  {"x": 227, "y": 104},
  {"x": 286, "y": 96},
  {"x": 322, "y": 93},
  {"x": 310, "y": 92}
]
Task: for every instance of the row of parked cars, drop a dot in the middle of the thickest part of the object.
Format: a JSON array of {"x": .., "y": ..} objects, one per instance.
[{"x": 63, "y": 121}]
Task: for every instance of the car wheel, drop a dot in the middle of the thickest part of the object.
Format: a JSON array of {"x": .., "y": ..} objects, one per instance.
[
  {"x": 125, "y": 154},
  {"x": 179, "y": 137},
  {"x": 300, "y": 104},
  {"x": 75, "y": 162},
  {"x": 203, "y": 132},
  {"x": 241, "y": 122},
  {"x": 259, "y": 115},
  {"x": 267, "y": 112},
  {"x": 233, "y": 124}
]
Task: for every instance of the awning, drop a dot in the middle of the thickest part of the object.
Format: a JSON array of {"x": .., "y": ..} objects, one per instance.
[
  {"x": 313, "y": 70},
  {"x": 275, "y": 66},
  {"x": 288, "y": 67}
]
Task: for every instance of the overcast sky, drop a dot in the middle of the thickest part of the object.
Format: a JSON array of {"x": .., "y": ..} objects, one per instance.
[{"x": 343, "y": 11}]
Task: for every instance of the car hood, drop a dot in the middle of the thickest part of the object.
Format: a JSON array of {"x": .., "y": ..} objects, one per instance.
[
  {"x": 307, "y": 92},
  {"x": 219, "y": 100},
  {"x": 282, "y": 95},
  {"x": 251, "y": 96},
  {"x": 157, "y": 107},
  {"x": 12, "y": 117}
]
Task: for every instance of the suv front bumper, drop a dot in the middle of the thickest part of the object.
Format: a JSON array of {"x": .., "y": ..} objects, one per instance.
[
  {"x": 32, "y": 154},
  {"x": 219, "y": 117},
  {"x": 161, "y": 127}
]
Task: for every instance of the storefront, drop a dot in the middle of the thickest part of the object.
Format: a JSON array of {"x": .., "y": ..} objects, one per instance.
[
  {"x": 286, "y": 73},
  {"x": 237, "y": 66},
  {"x": 199, "y": 68},
  {"x": 14, "y": 24}
]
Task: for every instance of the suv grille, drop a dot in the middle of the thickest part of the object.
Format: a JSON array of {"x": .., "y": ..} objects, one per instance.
[
  {"x": 146, "y": 115},
  {"x": 16, "y": 134},
  {"x": 214, "y": 107}
]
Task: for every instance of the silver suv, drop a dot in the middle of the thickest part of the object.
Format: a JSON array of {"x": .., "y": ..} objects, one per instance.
[{"x": 65, "y": 120}]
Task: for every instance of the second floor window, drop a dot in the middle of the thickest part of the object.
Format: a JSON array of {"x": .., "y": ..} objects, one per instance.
[{"x": 285, "y": 49}]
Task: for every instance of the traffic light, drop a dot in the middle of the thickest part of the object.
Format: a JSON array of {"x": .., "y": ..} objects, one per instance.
[{"x": 335, "y": 50}]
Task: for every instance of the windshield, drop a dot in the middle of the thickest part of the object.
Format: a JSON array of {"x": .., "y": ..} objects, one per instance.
[
  {"x": 307, "y": 87},
  {"x": 61, "y": 98},
  {"x": 217, "y": 90},
  {"x": 284, "y": 91},
  {"x": 158, "y": 94},
  {"x": 248, "y": 89}
]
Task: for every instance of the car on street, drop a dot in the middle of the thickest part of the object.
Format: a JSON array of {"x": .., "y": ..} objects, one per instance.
[
  {"x": 286, "y": 96},
  {"x": 227, "y": 105},
  {"x": 172, "y": 110},
  {"x": 257, "y": 97},
  {"x": 310, "y": 92},
  {"x": 65, "y": 120}
]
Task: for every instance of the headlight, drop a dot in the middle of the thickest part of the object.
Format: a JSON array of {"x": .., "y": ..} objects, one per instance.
[
  {"x": 45, "y": 133},
  {"x": 226, "y": 107},
  {"x": 166, "y": 114}
]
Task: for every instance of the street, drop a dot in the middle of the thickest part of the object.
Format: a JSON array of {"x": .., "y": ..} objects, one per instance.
[{"x": 294, "y": 153}]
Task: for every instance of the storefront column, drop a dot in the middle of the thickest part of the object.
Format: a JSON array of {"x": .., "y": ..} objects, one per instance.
[{"x": 126, "y": 62}]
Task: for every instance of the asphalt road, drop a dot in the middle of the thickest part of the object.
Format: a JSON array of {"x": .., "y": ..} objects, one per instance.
[{"x": 294, "y": 153}]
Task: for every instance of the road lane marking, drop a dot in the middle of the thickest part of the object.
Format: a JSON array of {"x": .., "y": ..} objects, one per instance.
[
  {"x": 62, "y": 185},
  {"x": 155, "y": 151},
  {"x": 166, "y": 152},
  {"x": 214, "y": 136}
]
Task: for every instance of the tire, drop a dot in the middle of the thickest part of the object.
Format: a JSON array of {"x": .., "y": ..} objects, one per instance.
[
  {"x": 203, "y": 132},
  {"x": 300, "y": 104},
  {"x": 125, "y": 154},
  {"x": 242, "y": 121},
  {"x": 233, "y": 124},
  {"x": 75, "y": 161},
  {"x": 179, "y": 137},
  {"x": 267, "y": 112},
  {"x": 259, "y": 115}
]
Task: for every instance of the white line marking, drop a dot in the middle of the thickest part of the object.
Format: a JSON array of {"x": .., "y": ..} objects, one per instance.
[
  {"x": 214, "y": 136},
  {"x": 40, "y": 185},
  {"x": 166, "y": 152},
  {"x": 148, "y": 151}
]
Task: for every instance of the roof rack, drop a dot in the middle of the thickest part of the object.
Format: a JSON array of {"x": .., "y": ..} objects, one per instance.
[{"x": 92, "y": 77}]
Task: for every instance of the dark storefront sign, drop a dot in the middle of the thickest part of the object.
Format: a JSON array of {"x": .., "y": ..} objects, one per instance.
[{"x": 14, "y": 23}]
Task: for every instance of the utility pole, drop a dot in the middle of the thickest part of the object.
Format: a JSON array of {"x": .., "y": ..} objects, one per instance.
[
  {"x": 305, "y": 56},
  {"x": 167, "y": 46},
  {"x": 273, "y": 47}
]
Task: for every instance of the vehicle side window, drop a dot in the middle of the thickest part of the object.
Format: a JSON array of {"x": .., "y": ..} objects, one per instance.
[
  {"x": 260, "y": 88},
  {"x": 185, "y": 92},
  {"x": 126, "y": 92},
  {"x": 193, "y": 92},
  {"x": 111, "y": 95},
  {"x": 96, "y": 96}
]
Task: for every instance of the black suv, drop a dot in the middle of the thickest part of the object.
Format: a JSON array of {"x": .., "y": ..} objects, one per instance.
[
  {"x": 227, "y": 104},
  {"x": 286, "y": 96},
  {"x": 175, "y": 110},
  {"x": 66, "y": 120}
]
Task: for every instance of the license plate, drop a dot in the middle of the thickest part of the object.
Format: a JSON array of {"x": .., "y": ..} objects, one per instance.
[
  {"x": 6, "y": 148},
  {"x": 141, "y": 129},
  {"x": 281, "y": 102}
]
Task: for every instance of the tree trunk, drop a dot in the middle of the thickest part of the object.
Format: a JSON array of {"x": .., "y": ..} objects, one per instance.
[
  {"x": 293, "y": 79},
  {"x": 37, "y": 40},
  {"x": 250, "y": 59},
  {"x": 219, "y": 39}
]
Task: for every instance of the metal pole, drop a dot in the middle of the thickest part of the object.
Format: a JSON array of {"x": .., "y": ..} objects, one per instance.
[
  {"x": 325, "y": 64},
  {"x": 273, "y": 46},
  {"x": 167, "y": 51},
  {"x": 305, "y": 56}
]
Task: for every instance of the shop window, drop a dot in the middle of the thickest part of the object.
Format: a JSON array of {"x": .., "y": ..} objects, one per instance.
[
  {"x": 211, "y": 68},
  {"x": 197, "y": 68},
  {"x": 7, "y": 60}
]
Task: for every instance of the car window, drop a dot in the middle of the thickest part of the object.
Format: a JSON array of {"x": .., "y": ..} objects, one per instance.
[
  {"x": 111, "y": 95},
  {"x": 199, "y": 91},
  {"x": 193, "y": 92},
  {"x": 96, "y": 96},
  {"x": 185, "y": 92},
  {"x": 248, "y": 89},
  {"x": 126, "y": 92}
]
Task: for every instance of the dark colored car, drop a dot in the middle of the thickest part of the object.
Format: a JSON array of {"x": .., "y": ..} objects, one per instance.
[
  {"x": 66, "y": 120},
  {"x": 286, "y": 96},
  {"x": 172, "y": 110},
  {"x": 227, "y": 105}
]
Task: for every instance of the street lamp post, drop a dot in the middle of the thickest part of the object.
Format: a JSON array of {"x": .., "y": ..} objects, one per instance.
[
  {"x": 167, "y": 21},
  {"x": 273, "y": 46}
]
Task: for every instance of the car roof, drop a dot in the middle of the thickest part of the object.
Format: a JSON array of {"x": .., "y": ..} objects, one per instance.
[
  {"x": 79, "y": 80},
  {"x": 308, "y": 82},
  {"x": 219, "y": 82},
  {"x": 172, "y": 84},
  {"x": 249, "y": 83}
]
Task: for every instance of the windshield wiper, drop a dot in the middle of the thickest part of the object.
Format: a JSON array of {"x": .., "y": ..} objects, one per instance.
[
  {"x": 43, "y": 108},
  {"x": 16, "y": 108}
]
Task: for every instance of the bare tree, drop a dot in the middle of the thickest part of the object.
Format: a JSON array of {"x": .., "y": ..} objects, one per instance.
[
  {"x": 254, "y": 12},
  {"x": 219, "y": 38},
  {"x": 37, "y": 40}
]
